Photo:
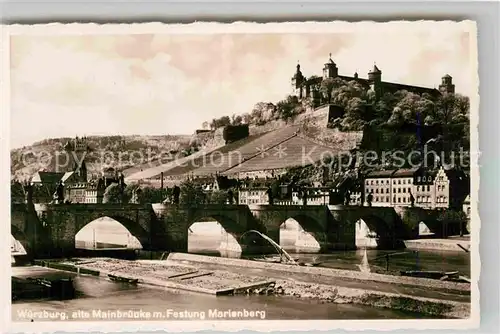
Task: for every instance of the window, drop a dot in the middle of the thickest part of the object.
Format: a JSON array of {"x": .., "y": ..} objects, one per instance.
[
  {"x": 399, "y": 181},
  {"x": 399, "y": 190},
  {"x": 404, "y": 199},
  {"x": 394, "y": 182},
  {"x": 428, "y": 188},
  {"x": 387, "y": 199},
  {"x": 387, "y": 182},
  {"x": 387, "y": 190},
  {"x": 376, "y": 182},
  {"x": 399, "y": 199},
  {"x": 376, "y": 191},
  {"x": 418, "y": 199},
  {"x": 419, "y": 179},
  {"x": 423, "y": 179},
  {"x": 409, "y": 189},
  {"x": 428, "y": 199},
  {"x": 404, "y": 181},
  {"x": 418, "y": 188},
  {"x": 394, "y": 199},
  {"x": 430, "y": 179},
  {"x": 404, "y": 190},
  {"x": 371, "y": 182},
  {"x": 468, "y": 211}
]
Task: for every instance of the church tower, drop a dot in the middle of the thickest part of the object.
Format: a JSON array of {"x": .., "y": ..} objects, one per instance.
[
  {"x": 77, "y": 150},
  {"x": 447, "y": 86},
  {"x": 297, "y": 81},
  {"x": 330, "y": 70}
]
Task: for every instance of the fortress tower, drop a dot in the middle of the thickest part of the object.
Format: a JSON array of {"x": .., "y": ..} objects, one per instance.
[
  {"x": 447, "y": 85},
  {"x": 297, "y": 81},
  {"x": 375, "y": 80},
  {"x": 330, "y": 70}
]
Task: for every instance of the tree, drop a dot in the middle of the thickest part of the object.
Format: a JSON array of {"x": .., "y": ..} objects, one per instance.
[
  {"x": 247, "y": 118},
  {"x": 452, "y": 222},
  {"x": 355, "y": 114},
  {"x": 113, "y": 194},
  {"x": 236, "y": 120},
  {"x": 289, "y": 107},
  {"x": 191, "y": 193},
  {"x": 219, "y": 197}
]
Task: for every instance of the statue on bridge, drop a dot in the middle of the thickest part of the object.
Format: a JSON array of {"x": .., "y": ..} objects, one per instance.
[
  {"x": 28, "y": 192},
  {"x": 369, "y": 199},
  {"x": 136, "y": 196},
  {"x": 270, "y": 196},
  {"x": 304, "y": 196},
  {"x": 59, "y": 194},
  {"x": 412, "y": 200},
  {"x": 176, "y": 192},
  {"x": 347, "y": 197}
]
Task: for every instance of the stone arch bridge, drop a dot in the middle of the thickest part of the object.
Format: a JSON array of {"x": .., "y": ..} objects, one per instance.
[{"x": 49, "y": 230}]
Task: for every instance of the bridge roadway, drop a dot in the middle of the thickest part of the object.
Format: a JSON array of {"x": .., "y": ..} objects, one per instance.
[{"x": 50, "y": 229}]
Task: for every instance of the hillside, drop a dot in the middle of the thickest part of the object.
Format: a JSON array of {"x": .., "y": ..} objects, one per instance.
[{"x": 126, "y": 153}]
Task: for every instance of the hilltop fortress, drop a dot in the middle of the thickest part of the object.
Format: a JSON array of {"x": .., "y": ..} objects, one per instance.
[{"x": 304, "y": 87}]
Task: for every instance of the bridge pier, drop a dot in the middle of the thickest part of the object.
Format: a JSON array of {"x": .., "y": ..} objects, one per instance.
[{"x": 248, "y": 245}]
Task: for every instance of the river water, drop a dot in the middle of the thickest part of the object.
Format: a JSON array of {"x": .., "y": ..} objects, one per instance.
[{"x": 99, "y": 295}]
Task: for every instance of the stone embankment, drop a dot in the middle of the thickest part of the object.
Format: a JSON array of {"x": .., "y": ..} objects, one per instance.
[{"x": 200, "y": 277}]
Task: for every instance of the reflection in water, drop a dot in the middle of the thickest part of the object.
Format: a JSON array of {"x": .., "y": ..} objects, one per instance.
[
  {"x": 205, "y": 238},
  {"x": 364, "y": 267},
  {"x": 351, "y": 260}
]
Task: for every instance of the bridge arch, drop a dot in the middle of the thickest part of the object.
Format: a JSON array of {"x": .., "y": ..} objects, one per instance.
[
  {"x": 230, "y": 232},
  {"x": 111, "y": 232},
  {"x": 310, "y": 234},
  {"x": 142, "y": 236},
  {"x": 373, "y": 231},
  {"x": 20, "y": 240}
]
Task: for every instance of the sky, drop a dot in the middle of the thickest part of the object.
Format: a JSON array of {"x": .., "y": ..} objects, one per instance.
[{"x": 154, "y": 84}]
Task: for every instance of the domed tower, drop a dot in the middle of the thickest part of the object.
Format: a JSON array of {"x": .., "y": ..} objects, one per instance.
[
  {"x": 330, "y": 70},
  {"x": 447, "y": 86},
  {"x": 297, "y": 81},
  {"x": 375, "y": 80}
]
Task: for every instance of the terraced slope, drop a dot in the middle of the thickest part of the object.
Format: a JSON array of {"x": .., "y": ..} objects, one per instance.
[
  {"x": 285, "y": 147},
  {"x": 294, "y": 151}
]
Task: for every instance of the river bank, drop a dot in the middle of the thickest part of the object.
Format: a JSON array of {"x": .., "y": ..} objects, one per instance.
[
  {"x": 458, "y": 244},
  {"x": 230, "y": 279}
]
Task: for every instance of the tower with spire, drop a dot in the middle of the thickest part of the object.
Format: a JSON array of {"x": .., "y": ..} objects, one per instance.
[
  {"x": 330, "y": 69},
  {"x": 77, "y": 150},
  {"x": 297, "y": 82},
  {"x": 375, "y": 80}
]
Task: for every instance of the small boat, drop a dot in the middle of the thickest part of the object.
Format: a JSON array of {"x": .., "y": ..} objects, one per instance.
[
  {"x": 430, "y": 274},
  {"x": 61, "y": 288},
  {"x": 271, "y": 259},
  {"x": 115, "y": 278},
  {"x": 309, "y": 264}
]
